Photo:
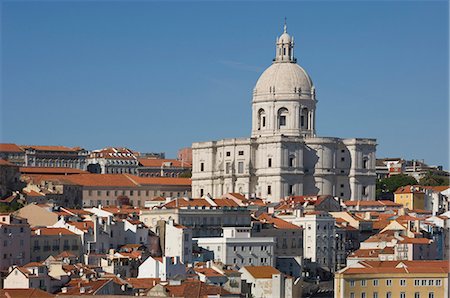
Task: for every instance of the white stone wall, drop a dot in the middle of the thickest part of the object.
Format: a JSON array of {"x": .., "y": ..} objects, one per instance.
[{"x": 319, "y": 166}]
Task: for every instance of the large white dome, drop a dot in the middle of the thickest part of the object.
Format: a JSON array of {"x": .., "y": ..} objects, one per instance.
[{"x": 283, "y": 79}]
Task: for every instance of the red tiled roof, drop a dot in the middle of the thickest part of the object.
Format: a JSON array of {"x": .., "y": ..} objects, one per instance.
[
  {"x": 51, "y": 148},
  {"x": 261, "y": 271},
  {"x": 143, "y": 283},
  {"x": 407, "y": 240},
  {"x": 372, "y": 203},
  {"x": 120, "y": 180},
  {"x": 195, "y": 289},
  {"x": 54, "y": 231},
  {"x": 181, "y": 202},
  {"x": 439, "y": 188},
  {"x": 400, "y": 267},
  {"x": 114, "y": 153},
  {"x": 407, "y": 189},
  {"x": 24, "y": 293},
  {"x": 209, "y": 272},
  {"x": 157, "y": 163},
  {"x": 91, "y": 287},
  {"x": 159, "y": 180},
  {"x": 9, "y": 147},
  {"x": 50, "y": 170},
  {"x": 5, "y": 163},
  {"x": 277, "y": 222},
  {"x": 82, "y": 225},
  {"x": 225, "y": 203}
]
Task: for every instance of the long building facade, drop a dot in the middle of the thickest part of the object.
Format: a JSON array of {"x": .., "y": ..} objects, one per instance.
[{"x": 284, "y": 156}]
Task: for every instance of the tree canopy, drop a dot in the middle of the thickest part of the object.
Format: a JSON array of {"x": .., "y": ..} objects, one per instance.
[{"x": 390, "y": 184}]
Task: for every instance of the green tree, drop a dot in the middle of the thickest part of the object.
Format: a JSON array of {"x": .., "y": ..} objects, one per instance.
[
  {"x": 431, "y": 179},
  {"x": 390, "y": 184}
]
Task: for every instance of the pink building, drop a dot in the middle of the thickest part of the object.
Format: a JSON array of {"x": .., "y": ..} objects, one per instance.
[{"x": 14, "y": 241}]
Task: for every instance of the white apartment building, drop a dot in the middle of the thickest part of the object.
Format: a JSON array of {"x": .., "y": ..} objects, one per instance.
[
  {"x": 236, "y": 246},
  {"x": 319, "y": 236},
  {"x": 284, "y": 156},
  {"x": 175, "y": 240},
  {"x": 165, "y": 268}
]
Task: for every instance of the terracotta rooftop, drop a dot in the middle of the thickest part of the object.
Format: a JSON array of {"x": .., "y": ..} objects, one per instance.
[
  {"x": 82, "y": 225},
  {"x": 9, "y": 147},
  {"x": 277, "y": 222},
  {"x": 143, "y": 283},
  {"x": 380, "y": 203},
  {"x": 399, "y": 267},
  {"x": 261, "y": 271},
  {"x": 90, "y": 287},
  {"x": 407, "y": 240},
  {"x": 24, "y": 293},
  {"x": 160, "y": 180},
  {"x": 209, "y": 272},
  {"x": 182, "y": 202},
  {"x": 54, "y": 231},
  {"x": 51, "y": 148},
  {"x": 195, "y": 289},
  {"x": 157, "y": 163},
  {"x": 50, "y": 170},
  {"x": 5, "y": 163},
  {"x": 407, "y": 189},
  {"x": 226, "y": 203}
]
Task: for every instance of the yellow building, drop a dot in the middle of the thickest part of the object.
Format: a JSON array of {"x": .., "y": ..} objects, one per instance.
[
  {"x": 410, "y": 197},
  {"x": 393, "y": 279}
]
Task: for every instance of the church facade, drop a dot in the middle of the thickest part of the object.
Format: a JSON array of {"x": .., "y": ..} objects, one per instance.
[{"x": 284, "y": 156}]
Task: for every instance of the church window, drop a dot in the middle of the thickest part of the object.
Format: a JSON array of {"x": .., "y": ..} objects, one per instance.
[
  {"x": 291, "y": 189},
  {"x": 269, "y": 190},
  {"x": 342, "y": 158},
  {"x": 282, "y": 120},
  {"x": 240, "y": 167},
  {"x": 284, "y": 51},
  {"x": 227, "y": 168},
  {"x": 291, "y": 161},
  {"x": 201, "y": 192},
  {"x": 269, "y": 162},
  {"x": 365, "y": 162},
  {"x": 241, "y": 152},
  {"x": 364, "y": 190},
  {"x": 261, "y": 118},
  {"x": 342, "y": 194},
  {"x": 302, "y": 121},
  {"x": 202, "y": 167},
  {"x": 282, "y": 114},
  {"x": 342, "y": 185},
  {"x": 228, "y": 153}
]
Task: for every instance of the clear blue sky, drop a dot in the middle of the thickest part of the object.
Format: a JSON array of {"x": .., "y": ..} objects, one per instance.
[{"x": 156, "y": 76}]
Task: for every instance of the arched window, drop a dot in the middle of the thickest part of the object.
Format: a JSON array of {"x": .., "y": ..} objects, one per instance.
[
  {"x": 365, "y": 163},
  {"x": 282, "y": 117},
  {"x": 261, "y": 119},
  {"x": 304, "y": 119}
]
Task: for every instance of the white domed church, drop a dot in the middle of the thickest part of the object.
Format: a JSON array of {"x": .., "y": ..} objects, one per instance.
[{"x": 284, "y": 156}]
